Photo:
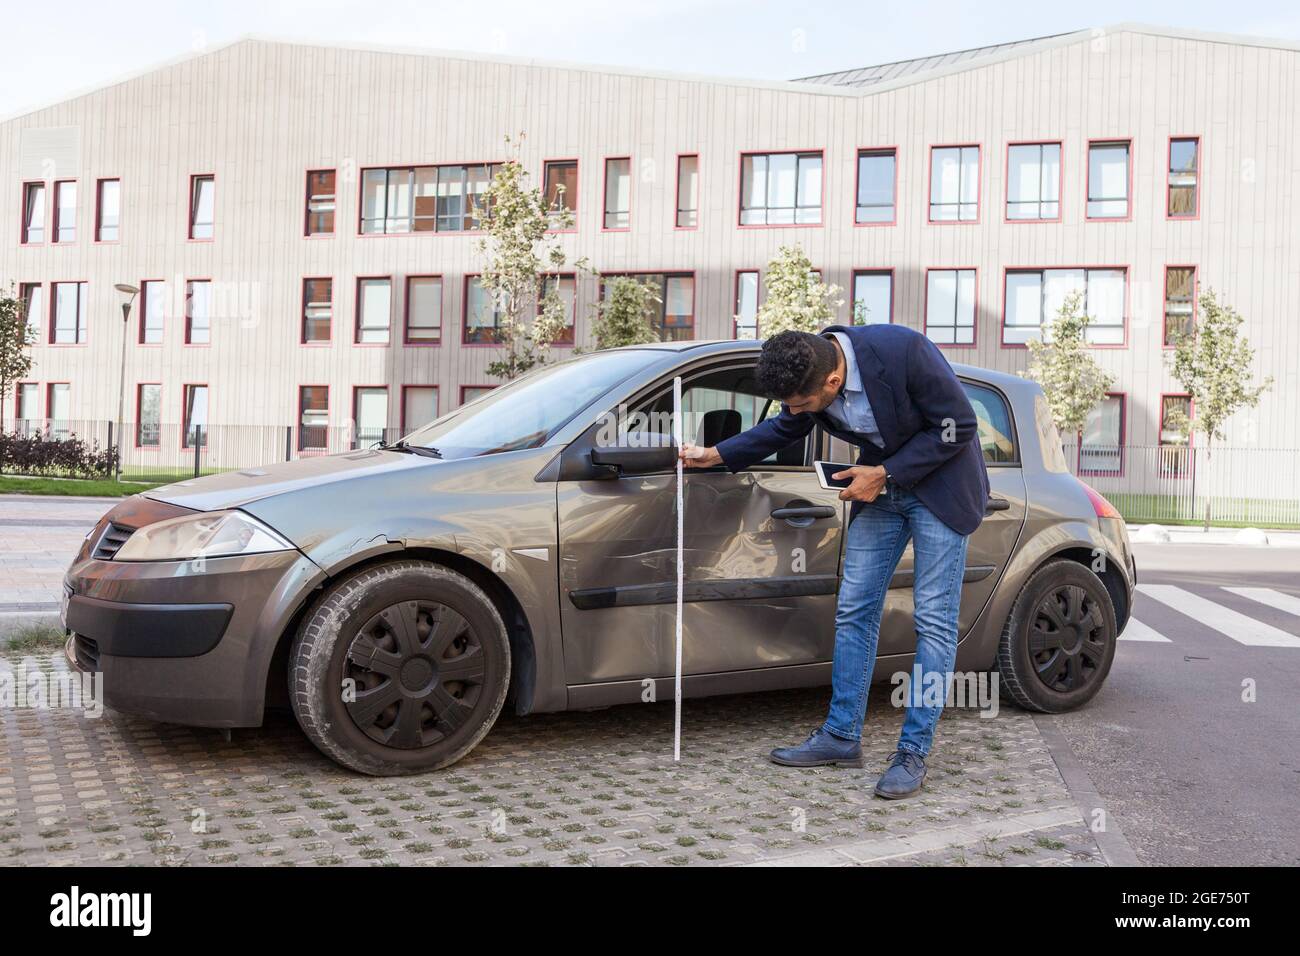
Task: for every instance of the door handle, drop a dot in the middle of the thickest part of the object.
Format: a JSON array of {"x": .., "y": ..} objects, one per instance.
[
  {"x": 996, "y": 504},
  {"x": 803, "y": 515}
]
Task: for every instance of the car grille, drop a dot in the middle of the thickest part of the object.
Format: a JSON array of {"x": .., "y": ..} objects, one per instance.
[
  {"x": 110, "y": 542},
  {"x": 86, "y": 652}
]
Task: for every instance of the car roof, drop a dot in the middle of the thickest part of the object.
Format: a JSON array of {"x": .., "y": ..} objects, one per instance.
[{"x": 1006, "y": 381}]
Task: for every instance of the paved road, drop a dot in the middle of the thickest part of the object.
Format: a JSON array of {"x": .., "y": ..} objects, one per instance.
[
  {"x": 1186, "y": 769},
  {"x": 1193, "y": 773}
]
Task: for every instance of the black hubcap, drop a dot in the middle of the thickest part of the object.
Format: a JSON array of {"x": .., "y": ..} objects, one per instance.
[
  {"x": 1067, "y": 639},
  {"x": 418, "y": 670}
]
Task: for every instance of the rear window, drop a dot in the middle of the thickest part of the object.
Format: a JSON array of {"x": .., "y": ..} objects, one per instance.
[{"x": 997, "y": 437}]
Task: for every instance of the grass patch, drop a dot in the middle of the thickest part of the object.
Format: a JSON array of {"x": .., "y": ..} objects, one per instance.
[
  {"x": 89, "y": 487},
  {"x": 33, "y": 638}
]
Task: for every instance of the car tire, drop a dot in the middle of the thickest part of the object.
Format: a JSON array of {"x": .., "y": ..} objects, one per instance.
[
  {"x": 399, "y": 668},
  {"x": 1059, "y": 640}
]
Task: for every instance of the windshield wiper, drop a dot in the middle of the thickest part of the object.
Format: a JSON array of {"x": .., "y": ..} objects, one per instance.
[{"x": 406, "y": 447}]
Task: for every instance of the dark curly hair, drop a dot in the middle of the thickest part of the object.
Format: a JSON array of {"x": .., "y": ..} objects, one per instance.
[{"x": 794, "y": 363}]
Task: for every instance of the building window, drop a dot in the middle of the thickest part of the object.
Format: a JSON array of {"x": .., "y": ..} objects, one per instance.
[
  {"x": 1101, "y": 444},
  {"x": 26, "y": 408},
  {"x": 674, "y": 314},
  {"x": 688, "y": 192},
  {"x": 69, "y": 325},
  {"x": 407, "y": 199},
  {"x": 1184, "y": 162},
  {"x": 317, "y": 310},
  {"x": 108, "y": 210},
  {"x": 194, "y": 416},
  {"x": 419, "y": 406},
  {"x": 954, "y": 183},
  {"x": 779, "y": 189},
  {"x": 32, "y": 296},
  {"x": 370, "y": 412},
  {"x": 1108, "y": 180},
  {"x": 618, "y": 193},
  {"x": 198, "y": 312},
  {"x": 567, "y": 288},
  {"x": 33, "y": 212},
  {"x": 148, "y": 415},
  {"x": 1034, "y": 297},
  {"x": 877, "y": 182},
  {"x": 472, "y": 393},
  {"x": 153, "y": 304},
  {"x": 202, "y": 206},
  {"x": 745, "y": 317},
  {"x": 873, "y": 297},
  {"x": 313, "y": 417},
  {"x": 423, "y": 310},
  {"x": 482, "y": 317},
  {"x": 58, "y": 409},
  {"x": 1175, "y": 454},
  {"x": 65, "y": 211},
  {"x": 1180, "y": 303},
  {"x": 950, "y": 306},
  {"x": 320, "y": 202},
  {"x": 560, "y": 185},
  {"x": 374, "y": 310},
  {"x": 1033, "y": 181}
]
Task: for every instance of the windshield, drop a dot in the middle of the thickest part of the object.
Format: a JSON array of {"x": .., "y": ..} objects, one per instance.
[{"x": 527, "y": 411}]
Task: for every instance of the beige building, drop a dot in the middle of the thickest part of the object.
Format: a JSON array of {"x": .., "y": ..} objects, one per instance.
[{"x": 296, "y": 218}]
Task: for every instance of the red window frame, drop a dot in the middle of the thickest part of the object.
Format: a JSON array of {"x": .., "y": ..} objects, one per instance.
[
  {"x": 975, "y": 295},
  {"x": 298, "y": 427},
  {"x": 819, "y": 151},
  {"x": 142, "y": 313},
  {"x": 189, "y": 292},
  {"x": 406, "y": 311},
  {"x": 1112, "y": 267},
  {"x": 979, "y": 186},
  {"x": 307, "y": 210},
  {"x": 54, "y": 222},
  {"x": 735, "y": 300},
  {"x": 302, "y": 316},
  {"x": 604, "y": 195},
  {"x": 1164, "y": 300},
  {"x": 18, "y": 402},
  {"x": 24, "y": 223},
  {"x": 1200, "y": 177},
  {"x": 677, "y": 192},
  {"x": 356, "y": 422},
  {"x": 356, "y": 313},
  {"x": 1123, "y": 439},
  {"x": 1087, "y": 177},
  {"x": 571, "y": 332},
  {"x": 83, "y": 288},
  {"x": 857, "y": 177},
  {"x": 185, "y": 415},
  {"x": 1189, "y": 455},
  {"x": 463, "y": 389},
  {"x": 893, "y": 292},
  {"x": 1006, "y": 179},
  {"x": 99, "y": 209},
  {"x": 437, "y": 399},
  {"x": 139, "y": 414},
  {"x": 194, "y": 179}
]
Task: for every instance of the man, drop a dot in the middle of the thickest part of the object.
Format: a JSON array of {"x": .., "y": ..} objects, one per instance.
[{"x": 920, "y": 476}]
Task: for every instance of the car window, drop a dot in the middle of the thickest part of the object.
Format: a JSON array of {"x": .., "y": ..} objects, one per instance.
[
  {"x": 997, "y": 437},
  {"x": 526, "y": 412},
  {"x": 718, "y": 405}
]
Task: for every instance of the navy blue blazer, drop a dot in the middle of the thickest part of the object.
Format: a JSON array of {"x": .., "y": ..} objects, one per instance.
[{"x": 916, "y": 398}]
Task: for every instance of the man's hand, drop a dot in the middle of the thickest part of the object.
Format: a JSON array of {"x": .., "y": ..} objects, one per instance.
[
  {"x": 868, "y": 482},
  {"x": 697, "y": 456}
]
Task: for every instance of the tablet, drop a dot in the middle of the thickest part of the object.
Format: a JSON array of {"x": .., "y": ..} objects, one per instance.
[{"x": 827, "y": 468}]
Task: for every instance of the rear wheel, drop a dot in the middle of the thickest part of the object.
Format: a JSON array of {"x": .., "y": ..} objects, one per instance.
[
  {"x": 400, "y": 668},
  {"x": 1059, "y": 641}
]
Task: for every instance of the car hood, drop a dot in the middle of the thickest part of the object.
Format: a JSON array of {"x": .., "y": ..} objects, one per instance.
[{"x": 234, "y": 489}]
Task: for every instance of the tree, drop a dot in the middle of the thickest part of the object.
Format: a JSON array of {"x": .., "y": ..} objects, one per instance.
[
  {"x": 15, "y": 338},
  {"x": 1212, "y": 363},
  {"x": 796, "y": 298},
  {"x": 623, "y": 315},
  {"x": 1060, "y": 362},
  {"x": 519, "y": 251}
]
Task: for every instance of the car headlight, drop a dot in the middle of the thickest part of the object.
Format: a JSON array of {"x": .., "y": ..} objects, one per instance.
[{"x": 212, "y": 534}]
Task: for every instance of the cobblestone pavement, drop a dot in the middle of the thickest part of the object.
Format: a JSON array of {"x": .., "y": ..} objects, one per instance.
[
  {"x": 596, "y": 788},
  {"x": 39, "y": 536}
]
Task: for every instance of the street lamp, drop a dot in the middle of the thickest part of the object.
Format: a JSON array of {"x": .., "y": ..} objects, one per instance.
[{"x": 128, "y": 293}]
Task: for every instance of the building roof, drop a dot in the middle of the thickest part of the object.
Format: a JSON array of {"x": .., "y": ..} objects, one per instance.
[
  {"x": 898, "y": 69},
  {"x": 882, "y": 76}
]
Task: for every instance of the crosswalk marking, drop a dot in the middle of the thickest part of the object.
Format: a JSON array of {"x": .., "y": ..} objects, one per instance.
[
  {"x": 1283, "y": 602},
  {"x": 1241, "y": 628},
  {"x": 1137, "y": 631}
]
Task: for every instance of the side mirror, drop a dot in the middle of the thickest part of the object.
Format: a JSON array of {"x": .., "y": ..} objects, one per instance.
[{"x": 637, "y": 453}]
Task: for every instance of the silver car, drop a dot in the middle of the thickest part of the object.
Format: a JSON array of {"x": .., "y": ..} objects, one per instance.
[{"x": 521, "y": 551}]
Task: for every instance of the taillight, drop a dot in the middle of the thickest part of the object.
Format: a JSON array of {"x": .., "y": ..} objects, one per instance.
[{"x": 1100, "y": 505}]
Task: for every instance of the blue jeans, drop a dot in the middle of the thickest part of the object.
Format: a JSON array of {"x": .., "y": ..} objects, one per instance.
[{"x": 876, "y": 540}]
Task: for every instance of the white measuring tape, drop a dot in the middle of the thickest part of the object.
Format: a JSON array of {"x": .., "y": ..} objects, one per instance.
[{"x": 677, "y": 678}]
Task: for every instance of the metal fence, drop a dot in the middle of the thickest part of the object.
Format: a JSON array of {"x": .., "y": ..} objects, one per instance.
[
  {"x": 1174, "y": 483},
  {"x": 1147, "y": 483}
]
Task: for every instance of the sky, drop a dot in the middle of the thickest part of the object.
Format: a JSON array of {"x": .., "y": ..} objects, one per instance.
[{"x": 91, "y": 42}]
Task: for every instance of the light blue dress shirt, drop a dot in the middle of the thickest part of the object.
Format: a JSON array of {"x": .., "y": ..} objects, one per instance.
[{"x": 851, "y": 409}]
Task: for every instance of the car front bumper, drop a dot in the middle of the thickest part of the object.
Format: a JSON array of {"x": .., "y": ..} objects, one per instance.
[{"x": 186, "y": 642}]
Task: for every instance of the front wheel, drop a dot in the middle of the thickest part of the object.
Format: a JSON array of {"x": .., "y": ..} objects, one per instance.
[
  {"x": 1059, "y": 641},
  {"x": 400, "y": 668}
]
